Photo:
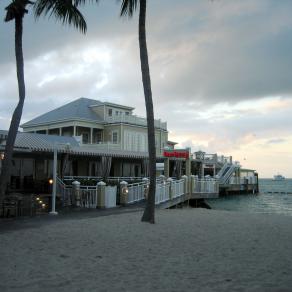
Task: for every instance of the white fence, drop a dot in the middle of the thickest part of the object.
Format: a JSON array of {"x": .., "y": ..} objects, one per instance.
[
  {"x": 204, "y": 186},
  {"x": 136, "y": 192},
  {"x": 166, "y": 190},
  {"x": 88, "y": 196},
  {"x": 243, "y": 180},
  {"x": 162, "y": 193},
  {"x": 65, "y": 193}
]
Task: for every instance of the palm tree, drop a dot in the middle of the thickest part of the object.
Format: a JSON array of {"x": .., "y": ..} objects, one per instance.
[
  {"x": 67, "y": 12},
  {"x": 127, "y": 9},
  {"x": 15, "y": 11}
]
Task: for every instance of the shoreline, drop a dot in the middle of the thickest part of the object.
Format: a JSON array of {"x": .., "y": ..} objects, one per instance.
[{"x": 186, "y": 250}]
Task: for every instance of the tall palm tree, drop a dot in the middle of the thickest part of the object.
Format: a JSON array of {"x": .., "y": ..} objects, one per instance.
[
  {"x": 127, "y": 9},
  {"x": 64, "y": 10}
]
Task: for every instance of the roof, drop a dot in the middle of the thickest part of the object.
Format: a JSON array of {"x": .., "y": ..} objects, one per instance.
[
  {"x": 42, "y": 141},
  {"x": 171, "y": 142},
  {"x": 77, "y": 109},
  {"x": 3, "y": 133},
  {"x": 118, "y": 106},
  {"x": 31, "y": 142}
]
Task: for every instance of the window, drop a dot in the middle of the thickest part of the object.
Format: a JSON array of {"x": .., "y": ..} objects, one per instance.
[
  {"x": 127, "y": 113},
  {"x": 117, "y": 113},
  {"x": 85, "y": 138},
  {"x": 98, "y": 137},
  {"x": 115, "y": 138},
  {"x": 110, "y": 112}
]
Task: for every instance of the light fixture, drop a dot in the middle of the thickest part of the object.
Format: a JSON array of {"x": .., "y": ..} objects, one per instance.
[{"x": 51, "y": 181}]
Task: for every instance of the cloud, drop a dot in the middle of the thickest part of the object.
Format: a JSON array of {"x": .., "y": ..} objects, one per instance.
[
  {"x": 220, "y": 70},
  {"x": 276, "y": 141}
]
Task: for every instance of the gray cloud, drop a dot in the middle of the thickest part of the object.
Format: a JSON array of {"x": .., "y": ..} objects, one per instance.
[{"x": 202, "y": 54}]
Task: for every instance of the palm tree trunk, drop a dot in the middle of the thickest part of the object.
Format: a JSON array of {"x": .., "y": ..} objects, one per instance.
[
  {"x": 15, "y": 121},
  {"x": 148, "y": 215}
]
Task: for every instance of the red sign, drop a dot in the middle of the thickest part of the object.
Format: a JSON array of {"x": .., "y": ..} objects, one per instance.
[{"x": 177, "y": 153}]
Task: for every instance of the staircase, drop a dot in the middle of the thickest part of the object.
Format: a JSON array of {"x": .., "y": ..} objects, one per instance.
[{"x": 226, "y": 172}]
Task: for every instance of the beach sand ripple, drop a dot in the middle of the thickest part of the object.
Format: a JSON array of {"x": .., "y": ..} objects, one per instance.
[{"x": 186, "y": 250}]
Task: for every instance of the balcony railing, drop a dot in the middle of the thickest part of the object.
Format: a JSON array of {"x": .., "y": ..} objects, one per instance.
[
  {"x": 135, "y": 120},
  {"x": 104, "y": 146}
]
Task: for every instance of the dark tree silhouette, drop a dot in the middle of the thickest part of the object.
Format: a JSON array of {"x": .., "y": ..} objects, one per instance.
[
  {"x": 66, "y": 11},
  {"x": 127, "y": 9}
]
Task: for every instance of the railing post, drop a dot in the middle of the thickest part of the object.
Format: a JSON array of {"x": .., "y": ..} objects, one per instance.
[
  {"x": 76, "y": 192},
  {"x": 186, "y": 187},
  {"x": 145, "y": 181},
  {"x": 124, "y": 193},
  {"x": 188, "y": 166},
  {"x": 169, "y": 180},
  {"x": 101, "y": 194},
  {"x": 192, "y": 184}
]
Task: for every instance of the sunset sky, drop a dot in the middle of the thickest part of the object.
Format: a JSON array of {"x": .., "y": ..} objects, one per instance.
[{"x": 220, "y": 70}]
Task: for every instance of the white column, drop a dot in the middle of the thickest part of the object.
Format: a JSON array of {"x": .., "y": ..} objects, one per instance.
[
  {"x": 60, "y": 131},
  {"x": 74, "y": 130},
  {"x": 91, "y": 135}
]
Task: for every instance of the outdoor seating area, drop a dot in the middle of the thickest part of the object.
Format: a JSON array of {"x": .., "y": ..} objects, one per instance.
[{"x": 21, "y": 205}]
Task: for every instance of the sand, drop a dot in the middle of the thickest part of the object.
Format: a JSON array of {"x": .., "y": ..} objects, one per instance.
[{"x": 187, "y": 250}]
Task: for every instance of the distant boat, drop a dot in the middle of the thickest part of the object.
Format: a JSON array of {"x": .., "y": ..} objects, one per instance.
[{"x": 279, "y": 177}]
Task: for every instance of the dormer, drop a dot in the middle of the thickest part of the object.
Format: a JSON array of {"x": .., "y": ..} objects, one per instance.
[{"x": 115, "y": 110}]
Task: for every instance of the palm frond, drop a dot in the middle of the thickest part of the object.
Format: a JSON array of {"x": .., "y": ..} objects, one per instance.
[
  {"x": 65, "y": 11},
  {"x": 16, "y": 8},
  {"x": 128, "y": 7}
]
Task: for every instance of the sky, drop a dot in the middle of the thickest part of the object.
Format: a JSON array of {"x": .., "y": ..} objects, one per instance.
[{"x": 220, "y": 71}]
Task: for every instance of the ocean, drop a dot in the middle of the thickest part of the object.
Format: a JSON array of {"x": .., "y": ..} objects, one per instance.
[{"x": 275, "y": 197}]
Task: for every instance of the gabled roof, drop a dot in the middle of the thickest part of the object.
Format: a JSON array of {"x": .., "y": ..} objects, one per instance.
[{"x": 78, "y": 109}]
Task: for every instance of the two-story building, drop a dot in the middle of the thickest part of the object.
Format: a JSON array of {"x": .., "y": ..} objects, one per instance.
[
  {"x": 93, "y": 138},
  {"x": 102, "y": 125}
]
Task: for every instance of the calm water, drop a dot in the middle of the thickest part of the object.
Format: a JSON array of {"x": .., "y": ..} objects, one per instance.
[{"x": 266, "y": 202}]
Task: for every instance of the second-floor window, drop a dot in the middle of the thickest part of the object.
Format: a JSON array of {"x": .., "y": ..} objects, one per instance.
[
  {"x": 110, "y": 112},
  {"x": 115, "y": 137}
]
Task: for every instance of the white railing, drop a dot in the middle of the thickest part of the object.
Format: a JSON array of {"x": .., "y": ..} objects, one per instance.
[
  {"x": 223, "y": 170},
  {"x": 136, "y": 120},
  {"x": 103, "y": 146},
  {"x": 178, "y": 188},
  {"x": 205, "y": 186},
  {"x": 88, "y": 196},
  {"x": 65, "y": 193},
  {"x": 252, "y": 180},
  {"x": 136, "y": 192},
  {"x": 162, "y": 193}
]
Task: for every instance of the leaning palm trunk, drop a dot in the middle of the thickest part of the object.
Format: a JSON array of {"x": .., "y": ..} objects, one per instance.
[
  {"x": 15, "y": 121},
  {"x": 148, "y": 214}
]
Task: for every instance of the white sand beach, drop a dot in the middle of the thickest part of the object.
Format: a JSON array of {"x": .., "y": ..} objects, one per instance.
[{"x": 186, "y": 250}]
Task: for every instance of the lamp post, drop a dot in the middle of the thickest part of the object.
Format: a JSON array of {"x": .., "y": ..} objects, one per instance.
[
  {"x": 53, "y": 211},
  {"x": 54, "y": 190}
]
